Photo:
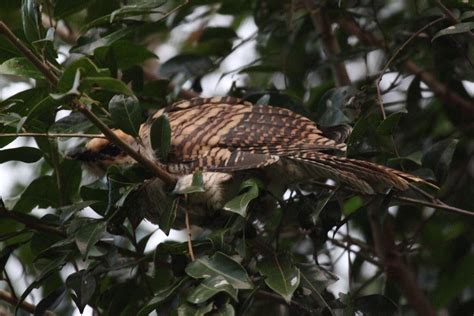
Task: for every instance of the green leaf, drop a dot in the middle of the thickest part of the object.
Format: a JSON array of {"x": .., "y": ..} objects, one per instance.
[
  {"x": 107, "y": 40},
  {"x": 125, "y": 54},
  {"x": 106, "y": 83},
  {"x": 240, "y": 203},
  {"x": 210, "y": 287},
  {"x": 87, "y": 69},
  {"x": 388, "y": 126},
  {"x": 222, "y": 265},
  {"x": 376, "y": 305},
  {"x": 83, "y": 284},
  {"x": 31, "y": 20},
  {"x": 168, "y": 217},
  {"x": 73, "y": 123},
  {"x": 315, "y": 280},
  {"x": 63, "y": 8},
  {"x": 66, "y": 212},
  {"x": 74, "y": 90},
  {"x": 197, "y": 185},
  {"x": 280, "y": 275},
  {"x": 41, "y": 192},
  {"x": 453, "y": 282},
  {"x": 190, "y": 65},
  {"x": 51, "y": 301},
  {"x": 160, "y": 297},
  {"x": 438, "y": 157},
  {"x": 20, "y": 66},
  {"x": 126, "y": 114},
  {"x": 353, "y": 204},
  {"x": 23, "y": 154},
  {"x": 88, "y": 235},
  {"x": 160, "y": 137},
  {"x": 139, "y": 8},
  {"x": 455, "y": 29}
]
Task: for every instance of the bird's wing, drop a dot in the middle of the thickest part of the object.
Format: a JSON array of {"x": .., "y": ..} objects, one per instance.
[{"x": 227, "y": 134}]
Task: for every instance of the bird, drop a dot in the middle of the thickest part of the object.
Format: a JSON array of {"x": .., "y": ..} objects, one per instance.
[{"x": 229, "y": 139}]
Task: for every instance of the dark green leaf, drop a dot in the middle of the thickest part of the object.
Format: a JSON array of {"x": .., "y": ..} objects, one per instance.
[
  {"x": 51, "y": 301},
  {"x": 73, "y": 123},
  {"x": 210, "y": 287},
  {"x": 220, "y": 265},
  {"x": 23, "y": 154},
  {"x": 188, "y": 310},
  {"x": 126, "y": 114},
  {"x": 196, "y": 185},
  {"x": 315, "y": 280},
  {"x": 376, "y": 305},
  {"x": 438, "y": 157},
  {"x": 63, "y": 8},
  {"x": 88, "y": 235},
  {"x": 87, "y": 69},
  {"x": 280, "y": 275},
  {"x": 106, "y": 83},
  {"x": 83, "y": 284},
  {"x": 160, "y": 137},
  {"x": 388, "y": 126},
  {"x": 31, "y": 20},
  {"x": 41, "y": 192},
  {"x": 20, "y": 66},
  {"x": 160, "y": 297},
  {"x": 189, "y": 65},
  {"x": 168, "y": 217},
  {"x": 125, "y": 54},
  {"x": 240, "y": 203},
  {"x": 107, "y": 40},
  {"x": 455, "y": 29}
]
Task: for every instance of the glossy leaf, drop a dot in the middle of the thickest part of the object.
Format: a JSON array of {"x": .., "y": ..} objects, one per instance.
[
  {"x": 210, "y": 287},
  {"x": 196, "y": 185},
  {"x": 438, "y": 157},
  {"x": 280, "y": 275},
  {"x": 160, "y": 297},
  {"x": 388, "y": 126},
  {"x": 88, "y": 235},
  {"x": 126, "y": 114},
  {"x": 31, "y": 20},
  {"x": 221, "y": 265},
  {"x": 83, "y": 284},
  {"x": 240, "y": 203},
  {"x": 20, "y": 66},
  {"x": 455, "y": 29},
  {"x": 160, "y": 137},
  {"x": 109, "y": 84}
]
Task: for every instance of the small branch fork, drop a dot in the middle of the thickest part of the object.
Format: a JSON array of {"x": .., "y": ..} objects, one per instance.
[{"x": 169, "y": 179}]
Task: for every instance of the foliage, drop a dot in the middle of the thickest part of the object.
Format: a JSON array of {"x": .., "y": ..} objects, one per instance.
[{"x": 262, "y": 252}]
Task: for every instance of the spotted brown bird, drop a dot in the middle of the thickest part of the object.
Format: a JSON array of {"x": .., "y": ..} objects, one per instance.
[{"x": 229, "y": 139}]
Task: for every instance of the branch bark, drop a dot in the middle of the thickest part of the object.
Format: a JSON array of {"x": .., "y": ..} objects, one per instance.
[
  {"x": 396, "y": 269},
  {"x": 450, "y": 98},
  {"x": 322, "y": 23},
  {"x": 30, "y": 308}
]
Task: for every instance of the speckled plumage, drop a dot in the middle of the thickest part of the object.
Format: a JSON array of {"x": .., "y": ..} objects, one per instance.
[{"x": 225, "y": 136}]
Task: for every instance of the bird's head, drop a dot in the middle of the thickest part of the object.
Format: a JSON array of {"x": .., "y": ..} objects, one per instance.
[{"x": 99, "y": 153}]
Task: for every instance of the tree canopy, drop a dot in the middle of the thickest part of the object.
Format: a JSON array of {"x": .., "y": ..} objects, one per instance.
[{"x": 400, "y": 73}]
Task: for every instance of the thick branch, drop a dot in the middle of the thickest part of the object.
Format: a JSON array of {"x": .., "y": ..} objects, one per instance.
[
  {"x": 439, "y": 89},
  {"x": 320, "y": 19},
  {"x": 395, "y": 268}
]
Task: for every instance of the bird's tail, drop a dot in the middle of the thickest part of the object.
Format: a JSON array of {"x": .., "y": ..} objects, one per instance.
[{"x": 363, "y": 176}]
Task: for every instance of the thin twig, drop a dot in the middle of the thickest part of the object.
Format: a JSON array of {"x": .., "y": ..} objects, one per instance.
[
  {"x": 450, "y": 97},
  {"x": 440, "y": 205},
  {"x": 395, "y": 55},
  {"x": 189, "y": 235},
  {"x": 52, "y": 135}
]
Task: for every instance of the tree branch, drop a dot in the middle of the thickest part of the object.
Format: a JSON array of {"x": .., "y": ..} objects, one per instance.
[
  {"x": 52, "y": 135},
  {"x": 46, "y": 70},
  {"x": 38, "y": 63},
  {"x": 10, "y": 299},
  {"x": 319, "y": 17},
  {"x": 395, "y": 268},
  {"x": 439, "y": 89}
]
